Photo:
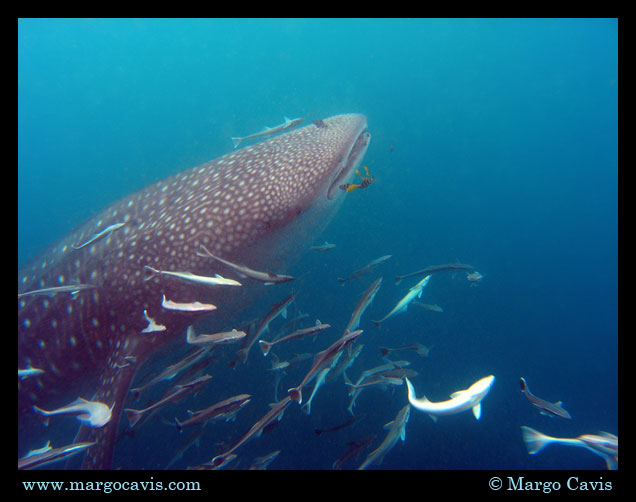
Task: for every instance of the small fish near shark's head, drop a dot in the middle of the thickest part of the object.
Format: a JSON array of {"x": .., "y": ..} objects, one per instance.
[{"x": 258, "y": 206}]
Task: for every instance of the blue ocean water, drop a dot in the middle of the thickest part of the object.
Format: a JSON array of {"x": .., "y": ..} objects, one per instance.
[{"x": 494, "y": 142}]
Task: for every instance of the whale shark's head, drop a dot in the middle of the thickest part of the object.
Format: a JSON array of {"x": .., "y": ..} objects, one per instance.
[
  {"x": 289, "y": 183},
  {"x": 305, "y": 167}
]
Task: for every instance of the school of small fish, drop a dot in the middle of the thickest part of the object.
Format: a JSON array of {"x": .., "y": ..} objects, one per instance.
[{"x": 328, "y": 363}]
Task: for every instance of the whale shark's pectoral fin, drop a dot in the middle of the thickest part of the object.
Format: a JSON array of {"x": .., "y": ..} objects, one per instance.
[{"x": 477, "y": 411}]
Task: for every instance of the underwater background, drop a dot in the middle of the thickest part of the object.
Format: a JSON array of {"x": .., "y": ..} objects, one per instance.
[{"x": 494, "y": 142}]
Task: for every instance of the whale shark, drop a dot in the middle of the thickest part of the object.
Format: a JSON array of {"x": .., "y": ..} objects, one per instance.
[{"x": 259, "y": 206}]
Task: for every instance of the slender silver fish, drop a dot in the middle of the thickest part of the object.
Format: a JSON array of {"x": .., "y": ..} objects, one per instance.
[
  {"x": 268, "y": 131},
  {"x": 226, "y": 409},
  {"x": 367, "y": 268},
  {"x": 99, "y": 235},
  {"x": 173, "y": 370},
  {"x": 69, "y": 288},
  {"x": 261, "y": 463},
  {"x": 545, "y": 407},
  {"x": 347, "y": 358},
  {"x": 365, "y": 301},
  {"x": 324, "y": 359},
  {"x": 322, "y": 247},
  {"x": 187, "y": 307},
  {"x": 420, "y": 349},
  {"x": 299, "y": 333},
  {"x": 428, "y": 306},
  {"x": 604, "y": 444},
  {"x": 354, "y": 449},
  {"x": 178, "y": 393},
  {"x": 275, "y": 412},
  {"x": 52, "y": 455},
  {"x": 217, "y": 280},
  {"x": 223, "y": 337},
  {"x": 194, "y": 439},
  {"x": 397, "y": 430},
  {"x": 279, "y": 308},
  {"x": 266, "y": 277},
  {"x": 402, "y": 305},
  {"x": 436, "y": 268}
]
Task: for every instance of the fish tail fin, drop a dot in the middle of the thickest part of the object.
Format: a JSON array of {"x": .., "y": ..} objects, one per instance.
[
  {"x": 237, "y": 142},
  {"x": 398, "y": 280},
  {"x": 295, "y": 393},
  {"x": 265, "y": 346},
  {"x": 377, "y": 323},
  {"x": 535, "y": 441},
  {"x": 179, "y": 426},
  {"x": 341, "y": 280},
  {"x": 318, "y": 432},
  {"x": 133, "y": 416},
  {"x": 153, "y": 272},
  {"x": 41, "y": 411}
]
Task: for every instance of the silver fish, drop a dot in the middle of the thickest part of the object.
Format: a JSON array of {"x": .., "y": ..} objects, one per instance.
[
  {"x": 93, "y": 413},
  {"x": 269, "y": 131},
  {"x": 266, "y": 277},
  {"x": 276, "y": 411},
  {"x": 545, "y": 407},
  {"x": 436, "y": 268},
  {"x": 261, "y": 463},
  {"x": 187, "y": 307},
  {"x": 99, "y": 235},
  {"x": 604, "y": 444},
  {"x": 397, "y": 430},
  {"x": 279, "y": 308},
  {"x": 366, "y": 269},
  {"x": 365, "y": 301},
  {"x": 69, "y": 288},
  {"x": 52, "y": 455},
  {"x": 299, "y": 333},
  {"x": 460, "y": 400},
  {"x": 324, "y": 359},
  {"x": 220, "y": 338},
  {"x": 226, "y": 409},
  {"x": 217, "y": 280},
  {"x": 322, "y": 247},
  {"x": 402, "y": 305},
  {"x": 178, "y": 393}
]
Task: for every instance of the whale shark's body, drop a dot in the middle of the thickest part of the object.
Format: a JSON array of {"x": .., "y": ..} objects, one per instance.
[{"x": 258, "y": 206}]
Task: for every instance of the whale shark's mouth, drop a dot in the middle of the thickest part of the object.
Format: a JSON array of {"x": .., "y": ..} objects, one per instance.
[{"x": 351, "y": 161}]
